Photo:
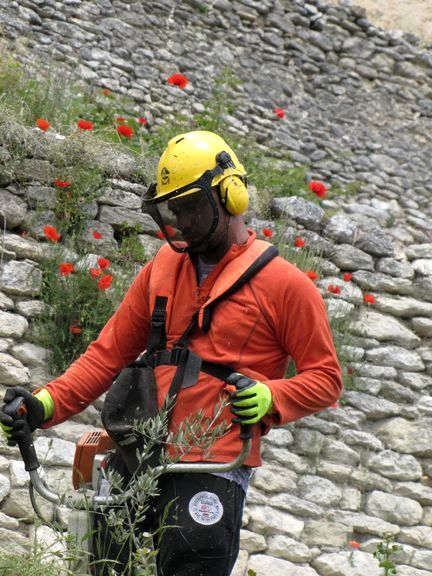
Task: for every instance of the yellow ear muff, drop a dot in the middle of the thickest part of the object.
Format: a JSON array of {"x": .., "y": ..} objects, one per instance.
[{"x": 234, "y": 195}]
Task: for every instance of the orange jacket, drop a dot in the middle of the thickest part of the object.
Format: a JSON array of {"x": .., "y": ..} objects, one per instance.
[{"x": 279, "y": 314}]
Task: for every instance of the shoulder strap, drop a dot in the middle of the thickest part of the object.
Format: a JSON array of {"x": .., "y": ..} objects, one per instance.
[{"x": 263, "y": 259}]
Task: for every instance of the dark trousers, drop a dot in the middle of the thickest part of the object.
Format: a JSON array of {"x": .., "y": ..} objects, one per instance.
[{"x": 202, "y": 515}]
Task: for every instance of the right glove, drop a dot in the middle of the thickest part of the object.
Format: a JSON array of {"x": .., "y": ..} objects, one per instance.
[{"x": 13, "y": 428}]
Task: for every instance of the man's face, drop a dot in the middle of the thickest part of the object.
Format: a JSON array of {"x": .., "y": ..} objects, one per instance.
[{"x": 194, "y": 215}]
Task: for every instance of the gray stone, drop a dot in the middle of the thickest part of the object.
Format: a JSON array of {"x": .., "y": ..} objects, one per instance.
[
  {"x": 12, "y": 325},
  {"x": 21, "y": 278},
  {"x": 405, "y": 436},
  {"x": 422, "y": 327},
  {"x": 319, "y": 490},
  {"x": 4, "y": 487},
  {"x": 25, "y": 247},
  {"x": 375, "y": 242},
  {"x": 415, "y": 380},
  {"x": 30, "y": 354},
  {"x": 337, "y": 451},
  {"x": 347, "y": 257},
  {"x": 306, "y": 213},
  {"x": 417, "y": 536},
  {"x": 325, "y": 533},
  {"x": 268, "y": 521},
  {"x": 271, "y": 479},
  {"x": 374, "y": 408},
  {"x": 397, "y": 357},
  {"x": 343, "y": 564},
  {"x": 252, "y": 542},
  {"x": 384, "y": 328},
  {"x": 416, "y": 491},
  {"x": 41, "y": 197},
  {"x": 401, "y": 270},
  {"x": 6, "y": 303},
  {"x": 116, "y": 197},
  {"x": 396, "y": 509},
  {"x": 119, "y": 218},
  {"x": 308, "y": 441},
  {"x": 403, "y": 306},
  {"x": 12, "y": 371},
  {"x": 362, "y": 439},
  {"x": 364, "y": 524},
  {"x": 379, "y": 282},
  {"x": 287, "y": 549},
  {"x": 13, "y": 541},
  {"x": 30, "y": 308},
  {"x": 423, "y": 266},
  {"x": 261, "y": 564},
  {"x": 12, "y": 211},
  {"x": 340, "y": 228},
  {"x": 296, "y": 506}
]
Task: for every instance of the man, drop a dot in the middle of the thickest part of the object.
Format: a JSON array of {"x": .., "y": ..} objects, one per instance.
[{"x": 198, "y": 202}]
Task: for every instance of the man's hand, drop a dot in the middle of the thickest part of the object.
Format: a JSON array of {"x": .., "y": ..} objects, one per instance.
[
  {"x": 13, "y": 427},
  {"x": 251, "y": 401}
]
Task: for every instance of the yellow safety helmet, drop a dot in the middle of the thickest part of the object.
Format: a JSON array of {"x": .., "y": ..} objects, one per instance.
[{"x": 195, "y": 159}]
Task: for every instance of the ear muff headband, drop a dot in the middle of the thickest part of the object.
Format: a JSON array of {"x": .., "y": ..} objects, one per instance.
[{"x": 234, "y": 195}]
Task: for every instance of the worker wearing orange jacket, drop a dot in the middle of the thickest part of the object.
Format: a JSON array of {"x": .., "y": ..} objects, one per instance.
[{"x": 279, "y": 314}]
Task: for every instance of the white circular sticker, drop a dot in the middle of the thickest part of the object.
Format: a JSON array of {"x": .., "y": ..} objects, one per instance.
[{"x": 206, "y": 508}]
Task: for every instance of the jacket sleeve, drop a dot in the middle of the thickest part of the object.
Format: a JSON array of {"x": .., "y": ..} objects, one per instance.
[
  {"x": 303, "y": 331},
  {"x": 121, "y": 340}
]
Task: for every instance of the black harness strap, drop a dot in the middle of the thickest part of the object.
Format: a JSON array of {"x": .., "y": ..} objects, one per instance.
[
  {"x": 157, "y": 336},
  {"x": 262, "y": 260}
]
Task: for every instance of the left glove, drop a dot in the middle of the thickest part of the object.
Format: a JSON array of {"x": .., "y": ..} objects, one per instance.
[
  {"x": 251, "y": 401},
  {"x": 13, "y": 428}
]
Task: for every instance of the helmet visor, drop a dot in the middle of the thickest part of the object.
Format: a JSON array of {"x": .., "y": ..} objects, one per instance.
[{"x": 187, "y": 217}]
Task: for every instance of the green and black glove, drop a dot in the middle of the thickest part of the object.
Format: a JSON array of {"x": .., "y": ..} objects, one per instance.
[
  {"x": 251, "y": 401},
  {"x": 35, "y": 414}
]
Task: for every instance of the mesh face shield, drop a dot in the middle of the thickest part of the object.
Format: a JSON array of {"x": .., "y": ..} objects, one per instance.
[{"x": 187, "y": 216}]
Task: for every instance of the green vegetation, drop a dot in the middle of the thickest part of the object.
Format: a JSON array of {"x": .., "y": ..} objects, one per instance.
[{"x": 384, "y": 554}]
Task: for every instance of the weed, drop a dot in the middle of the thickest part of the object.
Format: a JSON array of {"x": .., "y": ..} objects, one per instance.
[{"x": 384, "y": 552}]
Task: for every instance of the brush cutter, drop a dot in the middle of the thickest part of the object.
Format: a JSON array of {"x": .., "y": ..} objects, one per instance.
[{"x": 84, "y": 499}]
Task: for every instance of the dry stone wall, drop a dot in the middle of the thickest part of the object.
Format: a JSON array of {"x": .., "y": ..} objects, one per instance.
[{"x": 358, "y": 108}]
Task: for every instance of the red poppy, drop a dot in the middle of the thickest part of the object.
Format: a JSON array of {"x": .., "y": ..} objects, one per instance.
[
  {"x": 279, "y": 112},
  {"x": 141, "y": 120},
  {"x": 350, "y": 371},
  {"x": 66, "y": 268},
  {"x": 85, "y": 125},
  {"x": 43, "y": 124},
  {"x": 318, "y": 188},
  {"x": 160, "y": 235},
  {"x": 333, "y": 289},
  {"x": 267, "y": 232},
  {"x": 170, "y": 231},
  {"x": 120, "y": 119},
  {"x": 51, "y": 233},
  {"x": 369, "y": 298},
  {"x": 97, "y": 235},
  {"x": 103, "y": 263},
  {"x": 62, "y": 183},
  {"x": 178, "y": 79},
  {"x": 312, "y": 275},
  {"x": 335, "y": 405},
  {"x": 95, "y": 272},
  {"x": 347, "y": 276},
  {"x": 106, "y": 91},
  {"x": 299, "y": 242},
  {"x": 105, "y": 282},
  {"x": 125, "y": 131},
  {"x": 354, "y": 544},
  {"x": 74, "y": 329}
]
